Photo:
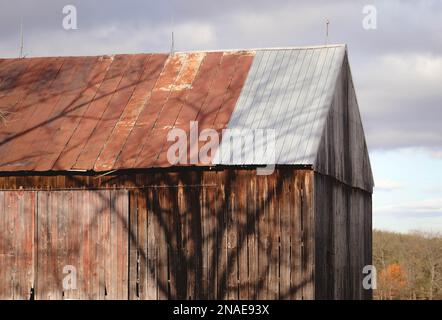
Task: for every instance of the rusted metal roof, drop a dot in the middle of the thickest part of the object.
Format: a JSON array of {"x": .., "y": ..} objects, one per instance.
[
  {"x": 111, "y": 112},
  {"x": 114, "y": 112}
]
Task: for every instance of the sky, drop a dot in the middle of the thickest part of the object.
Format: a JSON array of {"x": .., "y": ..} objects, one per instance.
[{"x": 396, "y": 68}]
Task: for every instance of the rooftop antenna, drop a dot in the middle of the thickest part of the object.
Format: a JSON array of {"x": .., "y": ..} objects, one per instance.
[
  {"x": 172, "y": 45},
  {"x": 327, "y": 22},
  {"x": 21, "y": 38}
]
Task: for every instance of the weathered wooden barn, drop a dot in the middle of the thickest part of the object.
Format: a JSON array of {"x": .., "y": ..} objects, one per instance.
[{"x": 91, "y": 208}]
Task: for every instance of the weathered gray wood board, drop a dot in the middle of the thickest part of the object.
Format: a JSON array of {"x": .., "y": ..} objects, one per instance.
[
  {"x": 343, "y": 239},
  {"x": 343, "y": 151}
]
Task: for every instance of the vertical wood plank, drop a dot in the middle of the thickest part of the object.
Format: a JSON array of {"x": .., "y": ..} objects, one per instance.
[
  {"x": 211, "y": 230},
  {"x": 206, "y": 240},
  {"x": 113, "y": 249},
  {"x": 221, "y": 216},
  {"x": 134, "y": 245},
  {"x": 285, "y": 213},
  {"x": 17, "y": 244},
  {"x": 152, "y": 274},
  {"x": 124, "y": 230},
  {"x": 163, "y": 283},
  {"x": 142, "y": 244},
  {"x": 3, "y": 255},
  {"x": 107, "y": 247},
  {"x": 42, "y": 246},
  {"x": 232, "y": 242},
  {"x": 296, "y": 240},
  {"x": 253, "y": 212},
  {"x": 273, "y": 237},
  {"x": 241, "y": 218}
]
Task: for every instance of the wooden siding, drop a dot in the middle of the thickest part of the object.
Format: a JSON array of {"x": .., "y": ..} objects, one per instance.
[
  {"x": 17, "y": 222},
  {"x": 343, "y": 241},
  {"x": 237, "y": 236},
  {"x": 46, "y": 232},
  {"x": 343, "y": 151},
  {"x": 226, "y": 234}
]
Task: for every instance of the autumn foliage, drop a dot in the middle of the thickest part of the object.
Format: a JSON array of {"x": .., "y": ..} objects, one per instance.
[
  {"x": 392, "y": 280},
  {"x": 409, "y": 266}
]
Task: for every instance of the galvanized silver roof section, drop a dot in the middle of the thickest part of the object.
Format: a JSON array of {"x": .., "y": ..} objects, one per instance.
[{"x": 290, "y": 91}]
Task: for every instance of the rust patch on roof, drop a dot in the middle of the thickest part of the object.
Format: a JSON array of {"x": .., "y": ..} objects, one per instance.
[
  {"x": 173, "y": 67},
  {"x": 189, "y": 71}
]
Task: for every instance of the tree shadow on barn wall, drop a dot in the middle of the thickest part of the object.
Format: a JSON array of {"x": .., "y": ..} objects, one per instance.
[
  {"x": 220, "y": 235},
  {"x": 195, "y": 235}
]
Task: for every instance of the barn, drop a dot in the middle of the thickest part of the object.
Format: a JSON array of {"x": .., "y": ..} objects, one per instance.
[{"x": 92, "y": 207}]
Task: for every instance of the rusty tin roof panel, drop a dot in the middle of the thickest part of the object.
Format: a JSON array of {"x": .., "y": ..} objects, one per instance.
[{"x": 111, "y": 112}]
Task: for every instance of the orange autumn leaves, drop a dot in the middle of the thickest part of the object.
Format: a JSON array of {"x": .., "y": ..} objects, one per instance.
[{"x": 393, "y": 280}]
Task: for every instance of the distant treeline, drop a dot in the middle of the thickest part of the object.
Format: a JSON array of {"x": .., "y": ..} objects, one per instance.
[{"x": 409, "y": 266}]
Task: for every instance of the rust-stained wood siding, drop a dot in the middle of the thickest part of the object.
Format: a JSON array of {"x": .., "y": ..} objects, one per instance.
[
  {"x": 226, "y": 234},
  {"x": 87, "y": 230},
  {"x": 17, "y": 223},
  {"x": 46, "y": 232}
]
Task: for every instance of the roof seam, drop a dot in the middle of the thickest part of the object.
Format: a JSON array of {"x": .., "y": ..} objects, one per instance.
[
  {"x": 324, "y": 96},
  {"x": 35, "y": 87},
  {"x": 103, "y": 148},
  {"x": 240, "y": 108},
  {"x": 145, "y": 103},
  {"x": 85, "y": 111},
  {"x": 259, "y": 89},
  {"x": 218, "y": 67},
  {"x": 227, "y": 90},
  {"x": 301, "y": 70},
  {"x": 169, "y": 93},
  {"x": 181, "y": 108},
  {"x": 305, "y": 129},
  {"x": 304, "y": 103},
  {"x": 258, "y": 125},
  {"x": 54, "y": 116},
  {"x": 285, "y": 102},
  {"x": 112, "y": 94}
]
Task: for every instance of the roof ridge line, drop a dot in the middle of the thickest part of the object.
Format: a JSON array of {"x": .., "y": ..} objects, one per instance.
[
  {"x": 189, "y": 51},
  {"x": 267, "y": 48}
]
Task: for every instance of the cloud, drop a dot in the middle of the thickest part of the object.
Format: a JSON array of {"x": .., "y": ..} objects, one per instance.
[
  {"x": 436, "y": 154},
  {"x": 113, "y": 38},
  {"x": 195, "y": 35},
  {"x": 427, "y": 208},
  {"x": 401, "y": 98},
  {"x": 387, "y": 185}
]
